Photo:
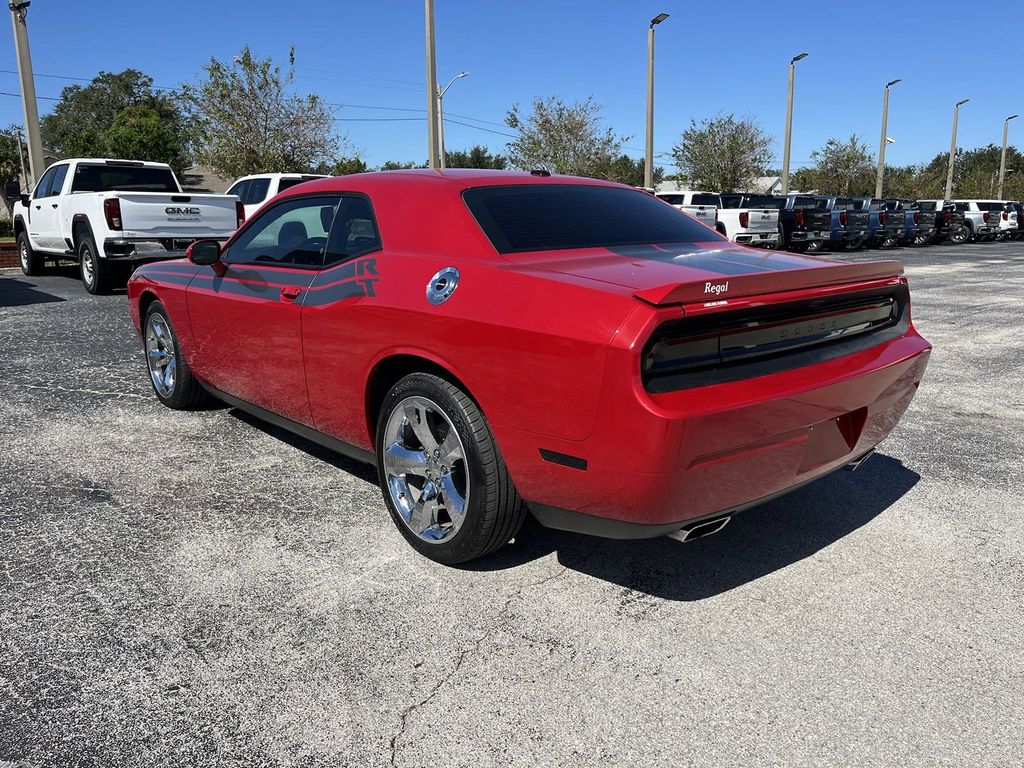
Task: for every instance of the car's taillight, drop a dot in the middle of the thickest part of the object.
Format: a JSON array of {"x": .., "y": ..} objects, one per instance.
[
  {"x": 799, "y": 218},
  {"x": 1006, "y": 216},
  {"x": 842, "y": 218},
  {"x": 881, "y": 219},
  {"x": 745, "y": 219},
  {"x": 239, "y": 213},
  {"x": 984, "y": 217},
  {"x": 917, "y": 217},
  {"x": 112, "y": 212}
]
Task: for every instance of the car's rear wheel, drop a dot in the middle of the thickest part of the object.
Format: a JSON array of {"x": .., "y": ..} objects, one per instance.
[
  {"x": 31, "y": 262},
  {"x": 853, "y": 243},
  {"x": 815, "y": 245},
  {"x": 95, "y": 273},
  {"x": 169, "y": 372},
  {"x": 444, "y": 481},
  {"x": 960, "y": 235}
]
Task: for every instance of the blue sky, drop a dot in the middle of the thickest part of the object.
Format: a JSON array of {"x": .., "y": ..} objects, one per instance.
[{"x": 712, "y": 57}]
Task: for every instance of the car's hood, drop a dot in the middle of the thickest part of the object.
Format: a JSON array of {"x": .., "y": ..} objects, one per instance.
[{"x": 671, "y": 274}]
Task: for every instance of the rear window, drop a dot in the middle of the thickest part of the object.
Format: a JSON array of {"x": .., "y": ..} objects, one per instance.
[
  {"x": 289, "y": 183},
  {"x": 551, "y": 217},
  {"x": 990, "y": 206},
  {"x": 714, "y": 200},
  {"x": 764, "y": 201},
  {"x": 673, "y": 199},
  {"x": 123, "y": 178},
  {"x": 804, "y": 202},
  {"x": 844, "y": 204}
]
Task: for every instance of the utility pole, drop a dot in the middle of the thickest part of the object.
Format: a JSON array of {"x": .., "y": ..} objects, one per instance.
[
  {"x": 883, "y": 141},
  {"x": 789, "y": 123},
  {"x": 28, "y": 88},
  {"x": 432, "y": 153},
  {"x": 952, "y": 149},
  {"x": 1002, "y": 157},
  {"x": 649, "y": 145}
]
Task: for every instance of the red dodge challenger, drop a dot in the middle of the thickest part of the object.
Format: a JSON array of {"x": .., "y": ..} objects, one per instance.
[{"x": 500, "y": 343}]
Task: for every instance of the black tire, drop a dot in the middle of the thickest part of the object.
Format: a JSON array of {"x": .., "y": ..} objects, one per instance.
[
  {"x": 815, "y": 246},
  {"x": 494, "y": 511},
  {"x": 31, "y": 262},
  {"x": 961, "y": 234},
  {"x": 95, "y": 272},
  {"x": 853, "y": 243},
  {"x": 186, "y": 393},
  {"x": 920, "y": 240}
]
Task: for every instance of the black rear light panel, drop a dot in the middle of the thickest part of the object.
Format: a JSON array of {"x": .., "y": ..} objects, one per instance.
[{"x": 735, "y": 345}]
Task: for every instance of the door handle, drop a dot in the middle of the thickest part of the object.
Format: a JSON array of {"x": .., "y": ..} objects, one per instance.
[
  {"x": 290, "y": 292},
  {"x": 38, "y": 207},
  {"x": 54, "y": 205}
]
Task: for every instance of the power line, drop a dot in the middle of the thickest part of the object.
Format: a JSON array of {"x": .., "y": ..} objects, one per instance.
[{"x": 18, "y": 95}]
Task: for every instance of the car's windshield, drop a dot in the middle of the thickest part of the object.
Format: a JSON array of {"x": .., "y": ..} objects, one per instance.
[
  {"x": 123, "y": 178},
  {"x": 545, "y": 217}
]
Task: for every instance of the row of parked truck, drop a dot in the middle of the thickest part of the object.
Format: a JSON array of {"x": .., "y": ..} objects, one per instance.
[{"x": 806, "y": 222}]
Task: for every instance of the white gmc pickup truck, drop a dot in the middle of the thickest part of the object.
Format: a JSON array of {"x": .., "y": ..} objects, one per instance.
[
  {"x": 105, "y": 213},
  {"x": 703, "y": 206}
]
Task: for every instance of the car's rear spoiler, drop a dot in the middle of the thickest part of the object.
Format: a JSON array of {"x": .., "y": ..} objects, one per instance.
[{"x": 734, "y": 286}]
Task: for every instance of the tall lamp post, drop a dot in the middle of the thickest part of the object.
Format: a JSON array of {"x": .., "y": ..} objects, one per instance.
[
  {"x": 883, "y": 141},
  {"x": 432, "y": 159},
  {"x": 789, "y": 123},
  {"x": 952, "y": 149},
  {"x": 1002, "y": 157},
  {"x": 440, "y": 115},
  {"x": 649, "y": 145}
]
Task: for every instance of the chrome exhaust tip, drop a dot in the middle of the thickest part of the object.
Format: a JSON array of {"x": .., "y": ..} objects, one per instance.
[
  {"x": 855, "y": 464},
  {"x": 699, "y": 529}
]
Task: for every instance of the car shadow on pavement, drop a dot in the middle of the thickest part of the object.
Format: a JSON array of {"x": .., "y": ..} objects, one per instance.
[
  {"x": 16, "y": 292},
  {"x": 754, "y": 544}
]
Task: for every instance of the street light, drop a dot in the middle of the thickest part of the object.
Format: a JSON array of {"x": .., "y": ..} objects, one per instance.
[
  {"x": 789, "y": 123},
  {"x": 440, "y": 115},
  {"x": 649, "y": 146},
  {"x": 884, "y": 140},
  {"x": 1002, "y": 157},
  {"x": 952, "y": 149}
]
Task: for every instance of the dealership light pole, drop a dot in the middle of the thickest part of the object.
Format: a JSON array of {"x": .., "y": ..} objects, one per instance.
[
  {"x": 432, "y": 154},
  {"x": 789, "y": 123},
  {"x": 28, "y": 88},
  {"x": 952, "y": 149},
  {"x": 883, "y": 141},
  {"x": 1002, "y": 157},
  {"x": 649, "y": 145},
  {"x": 440, "y": 116}
]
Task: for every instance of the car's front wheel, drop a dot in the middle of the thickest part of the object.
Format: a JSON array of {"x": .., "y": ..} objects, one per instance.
[
  {"x": 444, "y": 481},
  {"x": 31, "y": 262},
  {"x": 169, "y": 371}
]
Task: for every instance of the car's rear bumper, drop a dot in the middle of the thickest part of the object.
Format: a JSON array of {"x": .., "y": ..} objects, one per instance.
[
  {"x": 140, "y": 249},
  {"x": 654, "y": 463},
  {"x": 757, "y": 238}
]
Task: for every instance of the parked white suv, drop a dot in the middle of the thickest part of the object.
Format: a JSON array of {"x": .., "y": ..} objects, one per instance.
[
  {"x": 255, "y": 190},
  {"x": 103, "y": 212},
  {"x": 703, "y": 206}
]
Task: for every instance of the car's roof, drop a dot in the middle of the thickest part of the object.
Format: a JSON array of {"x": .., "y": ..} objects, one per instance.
[
  {"x": 113, "y": 161},
  {"x": 452, "y": 179}
]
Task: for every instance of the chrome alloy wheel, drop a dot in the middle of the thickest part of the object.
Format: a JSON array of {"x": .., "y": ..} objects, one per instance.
[
  {"x": 24, "y": 256},
  {"x": 160, "y": 354},
  {"x": 88, "y": 268},
  {"x": 425, "y": 466}
]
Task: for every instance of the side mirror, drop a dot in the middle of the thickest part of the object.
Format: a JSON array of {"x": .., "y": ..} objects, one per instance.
[
  {"x": 12, "y": 190},
  {"x": 204, "y": 252}
]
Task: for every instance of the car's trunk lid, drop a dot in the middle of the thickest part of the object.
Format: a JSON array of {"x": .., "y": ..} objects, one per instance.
[
  {"x": 712, "y": 271},
  {"x": 184, "y": 215}
]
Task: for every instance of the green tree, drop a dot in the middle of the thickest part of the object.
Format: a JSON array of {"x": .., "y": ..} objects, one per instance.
[
  {"x": 625, "y": 170},
  {"x": 249, "y": 120},
  {"x": 843, "y": 168},
  {"x": 10, "y": 167},
  {"x": 475, "y": 157},
  {"x": 348, "y": 165},
  {"x": 563, "y": 138},
  {"x": 139, "y": 133},
  {"x": 80, "y": 123},
  {"x": 394, "y": 165},
  {"x": 724, "y": 154}
]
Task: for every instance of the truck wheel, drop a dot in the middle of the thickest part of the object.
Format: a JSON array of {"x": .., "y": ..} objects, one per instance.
[
  {"x": 853, "y": 243},
  {"x": 95, "y": 273},
  {"x": 961, "y": 234},
  {"x": 169, "y": 372},
  {"x": 815, "y": 245},
  {"x": 444, "y": 481},
  {"x": 31, "y": 262}
]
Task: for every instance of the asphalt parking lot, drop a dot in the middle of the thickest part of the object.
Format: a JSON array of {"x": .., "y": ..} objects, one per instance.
[{"x": 202, "y": 589}]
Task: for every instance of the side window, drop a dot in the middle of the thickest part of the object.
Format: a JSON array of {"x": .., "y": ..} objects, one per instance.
[
  {"x": 59, "y": 172},
  {"x": 257, "y": 191},
  {"x": 239, "y": 189},
  {"x": 43, "y": 187},
  {"x": 293, "y": 233},
  {"x": 354, "y": 233}
]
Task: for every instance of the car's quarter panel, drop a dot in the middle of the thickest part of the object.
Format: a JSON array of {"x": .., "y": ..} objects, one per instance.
[
  {"x": 166, "y": 282},
  {"x": 247, "y": 335}
]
